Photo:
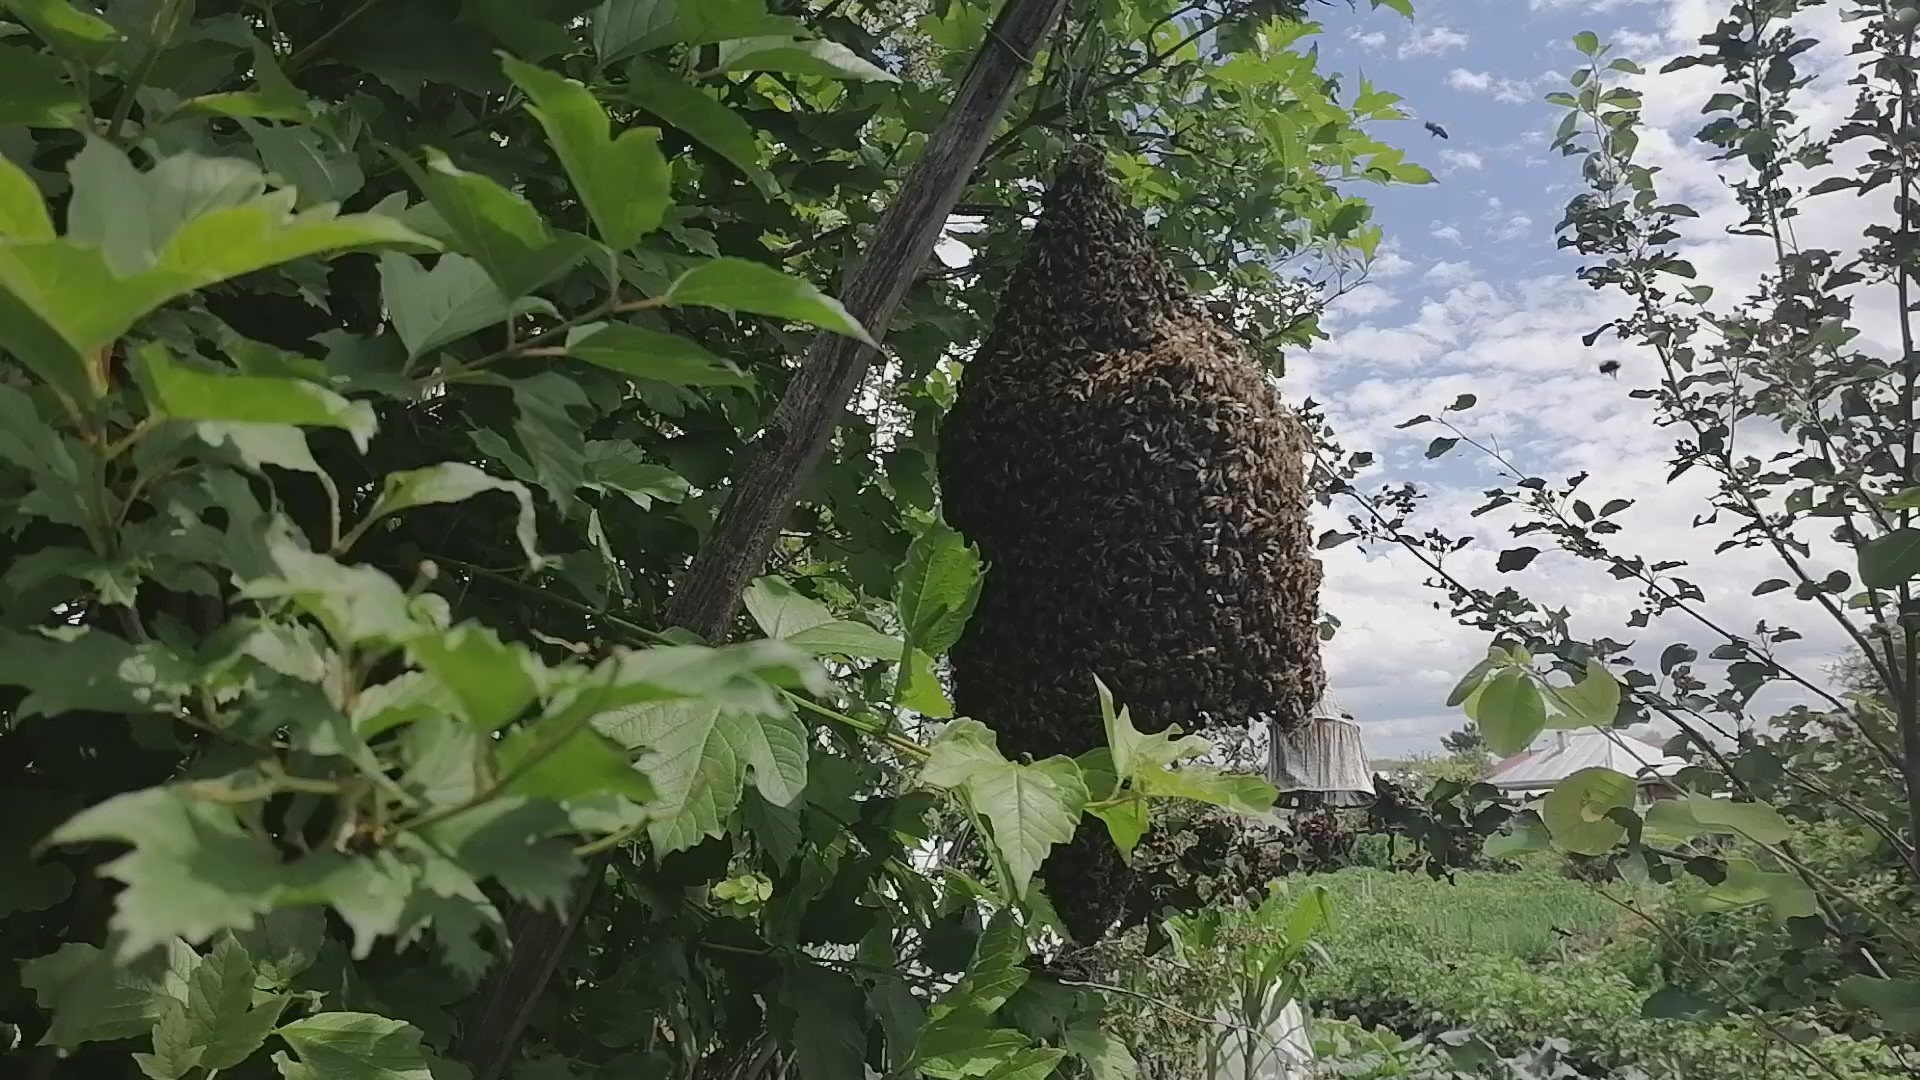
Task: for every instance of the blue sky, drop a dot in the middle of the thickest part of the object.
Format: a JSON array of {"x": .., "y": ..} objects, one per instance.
[{"x": 1471, "y": 296}]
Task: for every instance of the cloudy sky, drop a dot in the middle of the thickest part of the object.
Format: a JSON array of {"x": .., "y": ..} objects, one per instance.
[{"x": 1472, "y": 297}]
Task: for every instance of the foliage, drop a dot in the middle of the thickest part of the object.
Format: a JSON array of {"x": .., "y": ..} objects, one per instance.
[
  {"x": 370, "y": 374},
  {"x": 1802, "y": 432}
]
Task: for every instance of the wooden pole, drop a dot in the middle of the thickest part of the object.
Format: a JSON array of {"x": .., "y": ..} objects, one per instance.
[{"x": 780, "y": 461}]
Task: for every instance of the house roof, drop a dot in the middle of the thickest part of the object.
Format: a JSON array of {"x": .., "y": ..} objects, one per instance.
[{"x": 1567, "y": 752}]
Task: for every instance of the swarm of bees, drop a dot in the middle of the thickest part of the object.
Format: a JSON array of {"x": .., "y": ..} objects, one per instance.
[{"x": 1138, "y": 491}]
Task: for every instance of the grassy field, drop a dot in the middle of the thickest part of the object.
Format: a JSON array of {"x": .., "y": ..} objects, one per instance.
[{"x": 1532, "y": 916}]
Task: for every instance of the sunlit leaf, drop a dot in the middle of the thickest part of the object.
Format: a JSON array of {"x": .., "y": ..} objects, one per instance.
[{"x": 623, "y": 181}]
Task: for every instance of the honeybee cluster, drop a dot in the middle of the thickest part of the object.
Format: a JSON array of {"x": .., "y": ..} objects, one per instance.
[{"x": 1138, "y": 491}]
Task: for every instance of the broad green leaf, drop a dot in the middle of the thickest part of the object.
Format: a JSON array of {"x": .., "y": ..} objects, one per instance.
[
  {"x": 623, "y": 181},
  {"x": 1238, "y": 792},
  {"x": 939, "y": 585},
  {"x": 829, "y": 1032},
  {"x": 1526, "y": 834},
  {"x": 92, "y": 998},
  {"x": 304, "y": 160},
  {"x": 615, "y": 465},
  {"x": 1127, "y": 821},
  {"x": 352, "y": 1046},
  {"x": 1030, "y": 808},
  {"x": 919, "y": 687},
  {"x": 680, "y": 105},
  {"x": 80, "y": 36},
  {"x": 758, "y": 289},
  {"x": 624, "y": 27},
  {"x": 194, "y": 869},
  {"x": 1107, "y": 1058},
  {"x": 1694, "y": 815},
  {"x": 828, "y": 59},
  {"x": 1887, "y": 562},
  {"x": 218, "y": 1025},
  {"x": 355, "y": 604},
  {"x": 501, "y": 230},
  {"x": 996, "y": 972},
  {"x": 436, "y": 307},
  {"x": 1591, "y": 702},
  {"x": 1509, "y": 710},
  {"x": 454, "y": 482},
  {"x": 34, "y": 90},
  {"x": 639, "y": 353},
  {"x": 962, "y": 1044},
  {"x": 488, "y": 680},
  {"x": 786, "y": 615},
  {"x": 1895, "y": 1001},
  {"x": 1747, "y": 885},
  {"x": 700, "y": 756},
  {"x": 179, "y": 392},
  {"x": 1032, "y": 1063},
  {"x": 1470, "y": 682},
  {"x": 1575, "y": 811},
  {"x": 91, "y": 671},
  {"x": 560, "y": 758},
  {"x": 23, "y": 214},
  {"x": 61, "y": 304}
]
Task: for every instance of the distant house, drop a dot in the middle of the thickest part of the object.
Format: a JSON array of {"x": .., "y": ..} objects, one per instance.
[{"x": 1560, "y": 754}]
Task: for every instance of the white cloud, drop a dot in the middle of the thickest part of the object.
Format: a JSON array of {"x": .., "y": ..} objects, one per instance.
[
  {"x": 1432, "y": 41},
  {"x": 1463, "y": 159},
  {"x": 1388, "y": 262},
  {"x": 1449, "y": 273},
  {"x": 1500, "y": 87},
  {"x": 1372, "y": 41},
  {"x": 1448, "y": 233},
  {"x": 1514, "y": 227}
]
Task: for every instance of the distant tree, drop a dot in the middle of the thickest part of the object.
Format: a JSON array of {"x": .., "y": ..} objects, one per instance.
[{"x": 1467, "y": 742}]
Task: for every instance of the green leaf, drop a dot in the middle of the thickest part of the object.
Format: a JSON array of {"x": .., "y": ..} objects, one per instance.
[
  {"x": 1747, "y": 885},
  {"x": 1591, "y": 702},
  {"x": 23, "y": 214},
  {"x": 703, "y": 119},
  {"x": 939, "y": 585},
  {"x": 639, "y": 353},
  {"x": 1127, "y": 821},
  {"x": 829, "y": 1040},
  {"x": 624, "y": 27},
  {"x": 1895, "y": 1001},
  {"x": 700, "y": 756},
  {"x": 179, "y": 392},
  {"x": 501, "y": 230},
  {"x": 1587, "y": 42},
  {"x": 1032, "y": 1063},
  {"x": 919, "y": 687},
  {"x": 454, "y": 482},
  {"x": 828, "y": 59},
  {"x": 1030, "y": 808},
  {"x": 93, "y": 998},
  {"x": 1509, "y": 711},
  {"x": 785, "y": 615},
  {"x": 1887, "y": 562},
  {"x": 352, "y": 1046},
  {"x": 355, "y": 604},
  {"x": 218, "y": 1026},
  {"x": 82, "y": 37},
  {"x": 1694, "y": 815},
  {"x": 34, "y": 91},
  {"x": 488, "y": 680},
  {"x": 623, "y": 181},
  {"x": 960, "y": 1044},
  {"x": 1107, "y": 1058},
  {"x": 1470, "y": 682},
  {"x": 300, "y": 156},
  {"x": 996, "y": 972},
  {"x": 431, "y": 308},
  {"x": 560, "y": 758},
  {"x": 194, "y": 869},
  {"x": 1526, "y": 834},
  {"x": 1576, "y": 810},
  {"x": 757, "y": 289},
  {"x": 61, "y": 304}
]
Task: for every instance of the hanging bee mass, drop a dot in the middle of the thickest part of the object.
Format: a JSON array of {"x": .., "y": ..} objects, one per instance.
[{"x": 1139, "y": 493}]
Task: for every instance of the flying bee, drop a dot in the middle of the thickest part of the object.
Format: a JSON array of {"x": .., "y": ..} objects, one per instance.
[{"x": 1610, "y": 368}]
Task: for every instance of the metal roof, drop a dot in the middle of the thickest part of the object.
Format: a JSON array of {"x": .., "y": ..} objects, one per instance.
[{"x": 1567, "y": 752}]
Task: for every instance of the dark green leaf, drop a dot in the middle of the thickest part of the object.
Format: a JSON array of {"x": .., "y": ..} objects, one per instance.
[
  {"x": 1888, "y": 561},
  {"x": 758, "y": 289},
  {"x": 938, "y": 588},
  {"x": 718, "y": 128},
  {"x": 828, "y": 59},
  {"x": 352, "y": 1046},
  {"x": 639, "y": 353}
]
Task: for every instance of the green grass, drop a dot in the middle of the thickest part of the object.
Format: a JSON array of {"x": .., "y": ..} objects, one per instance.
[{"x": 1532, "y": 915}]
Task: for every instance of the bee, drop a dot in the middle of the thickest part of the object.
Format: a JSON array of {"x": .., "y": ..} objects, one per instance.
[
  {"x": 1610, "y": 368},
  {"x": 1435, "y": 129}
]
